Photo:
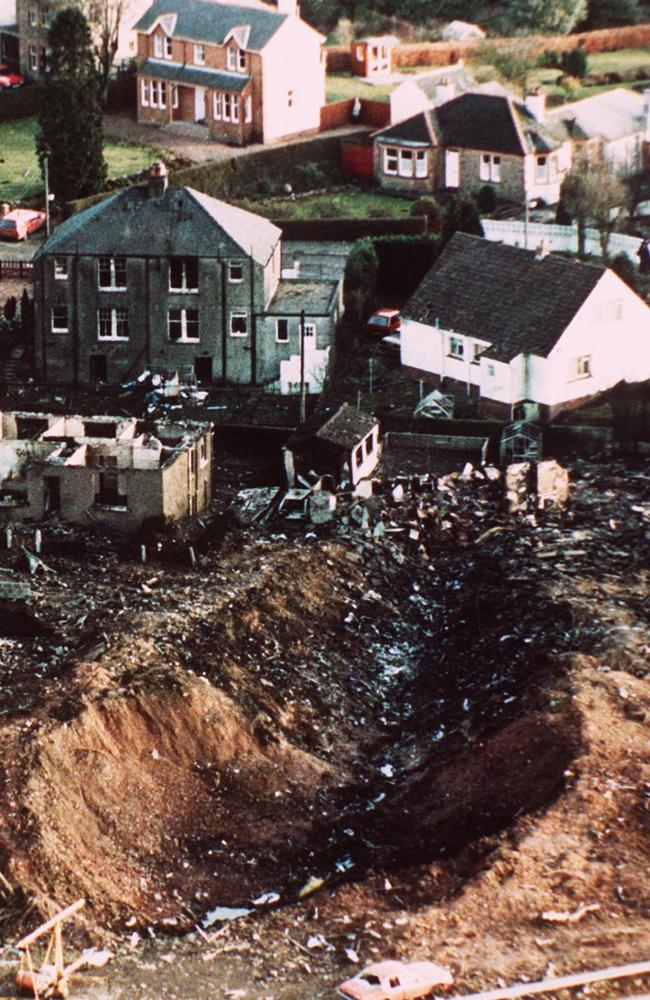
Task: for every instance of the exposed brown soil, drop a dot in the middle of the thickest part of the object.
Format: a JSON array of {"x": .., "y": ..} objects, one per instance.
[{"x": 453, "y": 745}]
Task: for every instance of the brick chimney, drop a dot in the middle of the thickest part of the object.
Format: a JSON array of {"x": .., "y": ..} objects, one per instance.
[{"x": 157, "y": 180}]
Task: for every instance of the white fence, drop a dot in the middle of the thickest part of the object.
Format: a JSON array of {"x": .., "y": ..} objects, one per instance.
[{"x": 556, "y": 237}]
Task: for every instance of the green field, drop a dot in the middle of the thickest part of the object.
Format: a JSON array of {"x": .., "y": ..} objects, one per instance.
[
  {"x": 343, "y": 86},
  {"x": 351, "y": 203},
  {"x": 20, "y": 178}
]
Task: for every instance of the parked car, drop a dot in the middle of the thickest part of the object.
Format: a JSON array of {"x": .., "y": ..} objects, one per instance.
[
  {"x": 393, "y": 980},
  {"x": 383, "y": 322},
  {"x": 20, "y": 223},
  {"x": 8, "y": 78}
]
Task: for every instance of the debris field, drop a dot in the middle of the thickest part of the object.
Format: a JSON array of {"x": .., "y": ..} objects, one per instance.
[{"x": 416, "y": 730}]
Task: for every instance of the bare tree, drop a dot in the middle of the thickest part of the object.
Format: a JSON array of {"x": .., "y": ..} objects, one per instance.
[
  {"x": 591, "y": 193},
  {"x": 105, "y": 18}
]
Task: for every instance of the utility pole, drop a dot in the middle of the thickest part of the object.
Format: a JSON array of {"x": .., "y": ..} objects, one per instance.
[
  {"x": 370, "y": 376},
  {"x": 46, "y": 178},
  {"x": 303, "y": 388},
  {"x": 526, "y": 214}
]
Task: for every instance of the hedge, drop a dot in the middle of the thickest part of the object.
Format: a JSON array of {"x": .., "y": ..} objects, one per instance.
[
  {"x": 404, "y": 260},
  {"x": 250, "y": 173},
  {"x": 23, "y": 102},
  {"x": 348, "y": 230}
]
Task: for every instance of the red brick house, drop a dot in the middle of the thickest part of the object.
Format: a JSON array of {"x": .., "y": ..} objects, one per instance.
[{"x": 248, "y": 72}]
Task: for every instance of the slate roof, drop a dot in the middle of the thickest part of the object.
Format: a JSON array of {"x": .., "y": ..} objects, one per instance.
[
  {"x": 614, "y": 114},
  {"x": 519, "y": 302},
  {"x": 211, "y": 20},
  {"x": 317, "y": 298},
  {"x": 455, "y": 75},
  {"x": 183, "y": 223},
  {"x": 347, "y": 427},
  {"x": 160, "y": 69},
  {"x": 493, "y": 122}
]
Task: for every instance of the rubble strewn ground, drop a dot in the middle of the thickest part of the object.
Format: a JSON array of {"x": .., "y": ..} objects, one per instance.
[{"x": 430, "y": 709}]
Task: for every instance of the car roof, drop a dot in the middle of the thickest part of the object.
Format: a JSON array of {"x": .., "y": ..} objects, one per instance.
[
  {"x": 386, "y": 312},
  {"x": 19, "y": 214}
]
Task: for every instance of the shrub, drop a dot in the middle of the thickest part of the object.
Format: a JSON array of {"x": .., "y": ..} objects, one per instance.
[
  {"x": 428, "y": 208},
  {"x": 461, "y": 215},
  {"x": 575, "y": 63},
  {"x": 486, "y": 200},
  {"x": 309, "y": 176},
  {"x": 404, "y": 261},
  {"x": 625, "y": 269},
  {"x": 361, "y": 270}
]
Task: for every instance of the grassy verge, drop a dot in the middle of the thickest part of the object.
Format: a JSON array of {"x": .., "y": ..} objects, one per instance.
[
  {"x": 343, "y": 86},
  {"x": 20, "y": 178},
  {"x": 351, "y": 203}
]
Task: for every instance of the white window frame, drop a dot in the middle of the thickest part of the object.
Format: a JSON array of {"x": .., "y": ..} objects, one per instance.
[
  {"x": 231, "y": 58},
  {"x": 581, "y": 367},
  {"x": 491, "y": 371},
  {"x": 542, "y": 172},
  {"x": 278, "y": 338},
  {"x": 33, "y": 17},
  {"x": 61, "y": 268},
  {"x": 184, "y": 337},
  {"x": 391, "y": 155},
  {"x": 406, "y": 163},
  {"x": 174, "y": 87},
  {"x": 238, "y": 314},
  {"x": 145, "y": 93},
  {"x": 490, "y": 167},
  {"x": 113, "y": 287},
  {"x": 53, "y": 324},
  {"x": 456, "y": 346},
  {"x": 158, "y": 48},
  {"x": 421, "y": 163},
  {"x": 199, "y": 54},
  {"x": 184, "y": 287},
  {"x": 359, "y": 52},
  {"x": 115, "y": 321},
  {"x": 241, "y": 61},
  {"x": 217, "y": 101},
  {"x": 33, "y": 58},
  {"x": 248, "y": 109},
  {"x": 310, "y": 330},
  {"x": 476, "y": 351},
  {"x": 168, "y": 47},
  {"x": 235, "y": 264}
]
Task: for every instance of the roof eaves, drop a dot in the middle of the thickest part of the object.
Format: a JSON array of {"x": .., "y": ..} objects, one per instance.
[{"x": 514, "y": 114}]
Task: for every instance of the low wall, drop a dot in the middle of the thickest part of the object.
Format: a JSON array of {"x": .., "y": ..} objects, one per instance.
[
  {"x": 348, "y": 230},
  {"x": 556, "y": 238},
  {"x": 374, "y": 113}
]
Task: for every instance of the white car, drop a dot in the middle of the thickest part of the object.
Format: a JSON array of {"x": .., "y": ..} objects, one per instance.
[{"x": 393, "y": 980}]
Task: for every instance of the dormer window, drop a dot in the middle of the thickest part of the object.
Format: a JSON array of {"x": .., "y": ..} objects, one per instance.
[
  {"x": 162, "y": 46},
  {"x": 231, "y": 58},
  {"x": 241, "y": 60},
  {"x": 199, "y": 55}
]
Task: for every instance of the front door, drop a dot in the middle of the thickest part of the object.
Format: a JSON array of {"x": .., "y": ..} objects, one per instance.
[
  {"x": 52, "y": 486},
  {"x": 452, "y": 168},
  {"x": 199, "y": 104}
]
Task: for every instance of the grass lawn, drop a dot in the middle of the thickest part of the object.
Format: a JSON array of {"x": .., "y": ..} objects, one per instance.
[
  {"x": 351, "y": 203},
  {"x": 619, "y": 62},
  {"x": 20, "y": 178},
  {"x": 343, "y": 86}
]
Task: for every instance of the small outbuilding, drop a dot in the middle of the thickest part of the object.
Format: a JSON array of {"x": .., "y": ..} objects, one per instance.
[
  {"x": 343, "y": 444},
  {"x": 373, "y": 56}
]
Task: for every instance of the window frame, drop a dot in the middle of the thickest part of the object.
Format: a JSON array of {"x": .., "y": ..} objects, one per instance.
[
  {"x": 145, "y": 93},
  {"x": 33, "y": 59},
  {"x": 542, "y": 170},
  {"x": 231, "y": 59},
  {"x": 406, "y": 157},
  {"x": 421, "y": 158},
  {"x": 456, "y": 346},
  {"x": 184, "y": 287},
  {"x": 241, "y": 61},
  {"x": 61, "y": 272},
  {"x": 115, "y": 264},
  {"x": 391, "y": 153},
  {"x": 278, "y": 339},
  {"x": 199, "y": 54},
  {"x": 237, "y": 314},
  {"x": 158, "y": 47},
  {"x": 185, "y": 320},
  {"x": 114, "y": 321},
  {"x": 311, "y": 327},
  {"x": 232, "y": 264},
  {"x": 581, "y": 367},
  {"x": 61, "y": 307},
  {"x": 490, "y": 168},
  {"x": 248, "y": 109}
]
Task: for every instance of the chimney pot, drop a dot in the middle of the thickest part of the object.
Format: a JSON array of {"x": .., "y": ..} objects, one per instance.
[{"x": 158, "y": 179}]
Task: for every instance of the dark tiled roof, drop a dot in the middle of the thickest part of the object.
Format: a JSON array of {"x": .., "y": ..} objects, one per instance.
[
  {"x": 519, "y": 302},
  {"x": 210, "y": 21},
  {"x": 413, "y": 130},
  {"x": 347, "y": 427},
  {"x": 492, "y": 122},
  {"x": 179, "y": 73},
  {"x": 183, "y": 223}
]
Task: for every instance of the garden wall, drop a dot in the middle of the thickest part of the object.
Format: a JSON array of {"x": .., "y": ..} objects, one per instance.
[
  {"x": 444, "y": 53},
  {"x": 375, "y": 113},
  {"x": 348, "y": 230}
]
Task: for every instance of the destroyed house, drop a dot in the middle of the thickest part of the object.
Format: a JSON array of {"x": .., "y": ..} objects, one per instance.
[
  {"x": 343, "y": 444},
  {"x": 170, "y": 280},
  {"x": 530, "y": 333},
  {"x": 111, "y": 471}
]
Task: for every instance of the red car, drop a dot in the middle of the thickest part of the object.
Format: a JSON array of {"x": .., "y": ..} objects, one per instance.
[
  {"x": 8, "y": 78},
  {"x": 20, "y": 223},
  {"x": 384, "y": 322}
]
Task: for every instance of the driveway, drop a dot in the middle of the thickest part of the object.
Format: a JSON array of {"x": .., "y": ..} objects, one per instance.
[{"x": 186, "y": 140}]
